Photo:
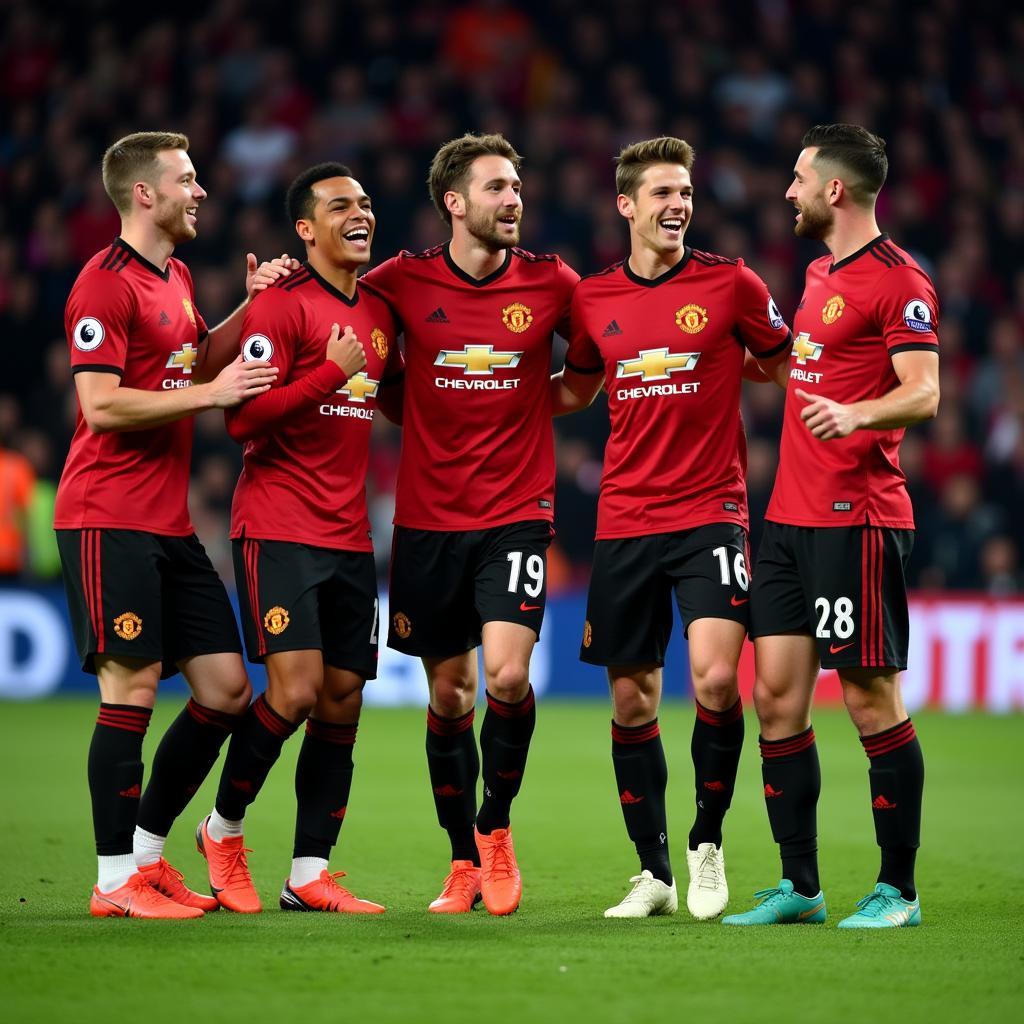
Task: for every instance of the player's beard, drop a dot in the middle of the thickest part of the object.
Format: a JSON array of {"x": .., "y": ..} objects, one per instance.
[
  {"x": 173, "y": 221},
  {"x": 480, "y": 224},
  {"x": 816, "y": 220}
]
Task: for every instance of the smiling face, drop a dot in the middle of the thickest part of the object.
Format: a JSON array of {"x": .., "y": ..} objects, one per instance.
[
  {"x": 342, "y": 223},
  {"x": 660, "y": 211},
  {"x": 177, "y": 196},
  {"x": 493, "y": 204},
  {"x": 807, "y": 193}
]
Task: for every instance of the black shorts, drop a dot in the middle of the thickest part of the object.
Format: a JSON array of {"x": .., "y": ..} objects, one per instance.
[
  {"x": 143, "y": 595},
  {"x": 295, "y": 597},
  {"x": 629, "y": 604},
  {"x": 445, "y": 586},
  {"x": 843, "y": 585}
]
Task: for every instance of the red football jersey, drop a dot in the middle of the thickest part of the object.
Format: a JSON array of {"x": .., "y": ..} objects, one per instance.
[
  {"x": 477, "y": 448},
  {"x": 671, "y": 350},
  {"x": 126, "y": 316},
  {"x": 304, "y": 479},
  {"x": 854, "y": 316}
]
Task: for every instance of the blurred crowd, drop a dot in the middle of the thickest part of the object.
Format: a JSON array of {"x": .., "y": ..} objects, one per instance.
[{"x": 263, "y": 90}]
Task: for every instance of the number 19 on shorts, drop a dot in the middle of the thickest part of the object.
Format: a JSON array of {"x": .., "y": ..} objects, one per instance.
[{"x": 533, "y": 584}]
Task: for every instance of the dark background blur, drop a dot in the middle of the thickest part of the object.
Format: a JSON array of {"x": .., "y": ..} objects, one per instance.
[{"x": 264, "y": 88}]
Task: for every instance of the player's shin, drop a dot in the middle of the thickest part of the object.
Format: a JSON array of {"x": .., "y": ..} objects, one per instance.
[
  {"x": 641, "y": 775},
  {"x": 323, "y": 780},
  {"x": 187, "y": 752},
  {"x": 896, "y": 775},
  {"x": 792, "y": 782},
  {"x": 504, "y": 747},
  {"x": 715, "y": 748},
  {"x": 454, "y": 767}
]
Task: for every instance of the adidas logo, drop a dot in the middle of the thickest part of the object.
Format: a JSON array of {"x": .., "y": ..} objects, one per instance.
[
  {"x": 243, "y": 785},
  {"x": 626, "y": 798},
  {"x": 132, "y": 792},
  {"x": 880, "y": 803},
  {"x": 509, "y": 775},
  {"x": 165, "y": 320},
  {"x": 339, "y": 813},
  {"x": 715, "y": 786},
  {"x": 612, "y": 329},
  {"x": 769, "y": 792},
  {"x": 447, "y": 790},
  {"x": 438, "y": 317}
]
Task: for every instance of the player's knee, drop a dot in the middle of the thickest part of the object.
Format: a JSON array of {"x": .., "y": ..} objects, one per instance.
[
  {"x": 870, "y": 711},
  {"x": 509, "y": 683},
  {"x": 295, "y": 700},
  {"x": 236, "y": 693},
  {"x": 769, "y": 703},
  {"x": 634, "y": 706},
  {"x": 452, "y": 696},
  {"x": 716, "y": 686}
]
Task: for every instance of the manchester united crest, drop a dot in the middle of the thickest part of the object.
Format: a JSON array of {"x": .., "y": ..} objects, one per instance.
[
  {"x": 403, "y": 627},
  {"x": 276, "y": 620},
  {"x": 128, "y": 625},
  {"x": 379, "y": 340},
  {"x": 189, "y": 311},
  {"x": 833, "y": 309},
  {"x": 517, "y": 317},
  {"x": 588, "y": 634},
  {"x": 692, "y": 318}
]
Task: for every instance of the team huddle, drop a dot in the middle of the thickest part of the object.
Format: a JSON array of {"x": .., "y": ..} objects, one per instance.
[{"x": 301, "y": 369}]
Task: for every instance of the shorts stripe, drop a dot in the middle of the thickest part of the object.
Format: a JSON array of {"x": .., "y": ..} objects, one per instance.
[
  {"x": 872, "y": 548},
  {"x": 865, "y": 604},
  {"x": 92, "y": 576},
  {"x": 880, "y": 543},
  {"x": 251, "y": 553}
]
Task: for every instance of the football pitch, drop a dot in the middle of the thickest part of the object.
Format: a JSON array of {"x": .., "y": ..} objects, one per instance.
[{"x": 556, "y": 959}]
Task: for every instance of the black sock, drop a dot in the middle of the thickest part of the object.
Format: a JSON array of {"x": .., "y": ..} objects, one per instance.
[
  {"x": 255, "y": 746},
  {"x": 641, "y": 775},
  {"x": 323, "y": 779},
  {"x": 896, "y": 774},
  {"x": 115, "y": 775},
  {"x": 504, "y": 746},
  {"x": 792, "y": 783},
  {"x": 715, "y": 748},
  {"x": 184, "y": 758},
  {"x": 454, "y": 766}
]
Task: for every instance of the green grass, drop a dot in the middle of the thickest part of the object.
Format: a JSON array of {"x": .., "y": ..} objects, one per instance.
[{"x": 556, "y": 958}]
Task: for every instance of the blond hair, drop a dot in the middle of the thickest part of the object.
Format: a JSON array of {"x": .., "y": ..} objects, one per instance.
[
  {"x": 635, "y": 158},
  {"x": 135, "y": 158}
]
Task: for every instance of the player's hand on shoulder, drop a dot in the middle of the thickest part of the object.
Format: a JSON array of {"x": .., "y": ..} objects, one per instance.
[
  {"x": 260, "y": 277},
  {"x": 346, "y": 350},
  {"x": 241, "y": 380},
  {"x": 826, "y": 419}
]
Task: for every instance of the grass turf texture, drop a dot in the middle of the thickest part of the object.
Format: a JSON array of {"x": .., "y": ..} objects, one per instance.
[{"x": 556, "y": 958}]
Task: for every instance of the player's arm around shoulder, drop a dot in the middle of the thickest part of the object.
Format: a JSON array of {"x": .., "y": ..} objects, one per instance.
[
  {"x": 766, "y": 336},
  {"x": 576, "y": 386}
]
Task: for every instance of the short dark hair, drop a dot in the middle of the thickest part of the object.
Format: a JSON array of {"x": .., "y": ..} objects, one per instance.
[
  {"x": 635, "y": 158},
  {"x": 136, "y": 157},
  {"x": 857, "y": 153},
  {"x": 449, "y": 170},
  {"x": 300, "y": 201}
]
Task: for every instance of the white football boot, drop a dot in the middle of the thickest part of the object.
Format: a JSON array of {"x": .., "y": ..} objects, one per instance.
[
  {"x": 649, "y": 897},
  {"x": 708, "y": 892}
]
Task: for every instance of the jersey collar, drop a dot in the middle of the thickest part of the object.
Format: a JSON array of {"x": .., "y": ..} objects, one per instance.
[
  {"x": 330, "y": 289},
  {"x": 661, "y": 278},
  {"x": 164, "y": 275},
  {"x": 883, "y": 237},
  {"x": 474, "y": 281}
]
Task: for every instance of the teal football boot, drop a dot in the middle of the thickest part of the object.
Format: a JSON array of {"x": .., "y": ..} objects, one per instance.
[
  {"x": 782, "y": 905},
  {"x": 884, "y": 908}
]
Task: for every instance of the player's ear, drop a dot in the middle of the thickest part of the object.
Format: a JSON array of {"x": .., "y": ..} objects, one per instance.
[
  {"x": 836, "y": 190},
  {"x": 304, "y": 230},
  {"x": 143, "y": 193},
  {"x": 625, "y": 205},
  {"x": 455, "y": 203}
]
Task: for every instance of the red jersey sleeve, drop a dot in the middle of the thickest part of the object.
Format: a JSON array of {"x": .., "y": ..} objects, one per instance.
[
  {"x": 98, "y": 320},
  {"x": 582, "y": 356},
  {"x": 759, "y": 324},
  {"x": 567, "y": 280},
  {"x": 907, "y": 310},
  {"x": 270, "y": 330},
  {"x": 386, "y": 281}
]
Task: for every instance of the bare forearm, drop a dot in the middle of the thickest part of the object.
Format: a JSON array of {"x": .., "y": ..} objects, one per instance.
[
  {"x": 565, "y": 399},
  {"x": 124, "y": 409},
  {"x": 221, "y": 345},
  {"x": 905, "y": 405}
]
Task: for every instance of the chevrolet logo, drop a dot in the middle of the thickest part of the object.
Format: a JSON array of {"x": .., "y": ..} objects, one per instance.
[
  {"x": 478, "y": 360},
  {"x": 359, "y": 388},
  {"x": 656, "y": 364},
  {"x": 184, "y": 357},
  {"x": 804, "y": 348}
]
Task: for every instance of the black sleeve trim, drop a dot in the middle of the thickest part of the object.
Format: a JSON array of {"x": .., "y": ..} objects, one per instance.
[
  {"x": 202, "y": 337},
  {"x": 914, "y": 346},
  {"x": 393, "y": 379},
  {"x": 781, "y": 347},
  {"x": 583, "y": 369},
  {"x": 97, "y": 368}
]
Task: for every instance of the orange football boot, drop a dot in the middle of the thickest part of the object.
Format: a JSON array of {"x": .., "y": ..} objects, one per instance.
[
  {"x": 327, "y": 895},
  {"x": 230, "y": 880},
  {"x": 461, "y": 892},
  {"x": 170, "y": 881},
  {"x": 137, "y": 898},
  {"x": 500, "y": 882}
]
